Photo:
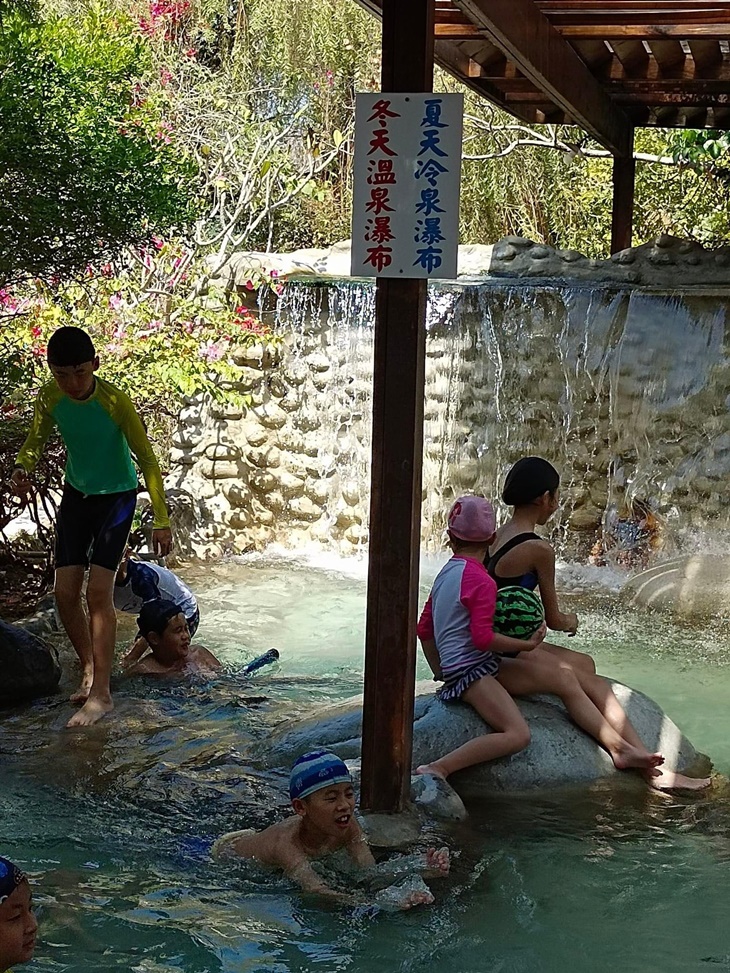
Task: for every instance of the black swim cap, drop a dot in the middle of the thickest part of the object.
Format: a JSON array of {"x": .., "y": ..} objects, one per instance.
[
  {"x": 70, "y": 346},
  {"x": 528, "y": 479},
  {"x": 154, "y": 615}
]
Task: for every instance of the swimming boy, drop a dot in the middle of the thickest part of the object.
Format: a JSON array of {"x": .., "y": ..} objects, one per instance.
[
  {"x": 18, "y": 925},
  {"x": 138, "y": 582},
  {"x": 324, "y": 822},
  {"x": 163, "y": 624},
  {"x": 99, "y": 426}
]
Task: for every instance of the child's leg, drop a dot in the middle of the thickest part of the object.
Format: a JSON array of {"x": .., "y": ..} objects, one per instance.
[
  {"x": 579, "y": 661},
  {"x": 496, "y": 707},
  {"x": 67, "y": 590},
  {"x": 603, "y": 696},
  {"x": 103, "y": 627},
  {"x": 525, "y": 676}
]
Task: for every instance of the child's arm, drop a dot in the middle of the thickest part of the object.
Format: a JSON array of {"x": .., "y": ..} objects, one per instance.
[
  {"x": 432, "y": 658},
  {"x": 205, "y": 658},
  {"x": 545, "y": 567},
  {"x": 479, "y": 595},
  {"x": 425, "y": 633},
  {"x": 136, "y": 651},
  {"x": 30, "y": 451},
  {"x": 134, "y": 432}
]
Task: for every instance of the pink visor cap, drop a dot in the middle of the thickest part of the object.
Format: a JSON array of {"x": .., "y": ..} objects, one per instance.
[{"x": 472, "y": 519}]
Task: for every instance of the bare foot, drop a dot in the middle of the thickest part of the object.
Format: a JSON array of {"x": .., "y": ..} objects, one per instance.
[
  {"x": 82, "y": 693},
  {"x": 416, "y": 897},
  {"x": 92, "y": 711},
  {"x": 631, "y": 758},
  {"x": 438, "y": 861},
  {"x": 670, "y": 780},
  {"x": 431, "y": 769}
]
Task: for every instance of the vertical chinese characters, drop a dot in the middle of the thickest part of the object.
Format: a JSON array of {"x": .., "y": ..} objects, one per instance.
[
  {"x": 428, "y": 171},
  {"x": 381, "y": 177}
]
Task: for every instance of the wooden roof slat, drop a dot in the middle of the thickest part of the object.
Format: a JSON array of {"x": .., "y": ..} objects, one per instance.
[
  {"x": 707, "y": 55},
  {"x": 527, "y": 38},
  {"x": 668, "y": 54},
  {"x": 633, "y": 56},
  {"x": 595, "y": 53}
]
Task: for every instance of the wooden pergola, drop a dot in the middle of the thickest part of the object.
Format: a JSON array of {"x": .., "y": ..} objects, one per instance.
[{"x": 607, "y": 67}]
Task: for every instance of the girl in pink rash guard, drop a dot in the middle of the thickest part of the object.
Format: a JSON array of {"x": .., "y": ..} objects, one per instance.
[{"x": 460, "y": 645}]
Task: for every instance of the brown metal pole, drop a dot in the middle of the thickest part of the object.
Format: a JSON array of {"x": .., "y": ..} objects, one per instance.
[
  {"x": 395, "y": 504},
  {"x": 622, "y": 216}
]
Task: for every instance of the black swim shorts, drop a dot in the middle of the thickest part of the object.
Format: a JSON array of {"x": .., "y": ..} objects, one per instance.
[{"x": 93, "y": 529}]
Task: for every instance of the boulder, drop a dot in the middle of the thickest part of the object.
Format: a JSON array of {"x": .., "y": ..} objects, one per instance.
[
  {"x": 695, "y": 586},
  {"x": 560, "y": 754},
  {"x": 29, "y": 665}
]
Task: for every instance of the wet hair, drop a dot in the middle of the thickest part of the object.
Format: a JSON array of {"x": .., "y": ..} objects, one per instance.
[
  {"x": 528, "y": 479},
  {"x": 154, "y": 615},
  {"x": 70, "y": 346},
  {"x": 10, "y": 878}
]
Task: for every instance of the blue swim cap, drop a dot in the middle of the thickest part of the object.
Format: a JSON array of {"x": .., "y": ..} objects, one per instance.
[
  {"x": 10, "y": 878},
  {"x": 316, "y": 770}
]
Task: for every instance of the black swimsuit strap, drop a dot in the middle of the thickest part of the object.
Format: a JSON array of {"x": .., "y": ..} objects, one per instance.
[{"x": 508, "y": 546}]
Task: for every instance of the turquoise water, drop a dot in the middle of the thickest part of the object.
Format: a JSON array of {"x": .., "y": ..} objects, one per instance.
[{"x": 114, "y": 823}]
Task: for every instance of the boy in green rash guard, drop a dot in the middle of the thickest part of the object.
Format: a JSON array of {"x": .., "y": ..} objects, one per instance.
[{"x": 99, "y": 426}]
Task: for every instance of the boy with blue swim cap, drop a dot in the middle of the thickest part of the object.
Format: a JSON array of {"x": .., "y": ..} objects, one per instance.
[
  {"x": 18, "y": 925},
  {"x": 324, "y": 822}
]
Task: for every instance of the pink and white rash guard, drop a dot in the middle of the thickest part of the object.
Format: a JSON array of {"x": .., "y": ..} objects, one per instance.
[{"x": 459, "y": 613}]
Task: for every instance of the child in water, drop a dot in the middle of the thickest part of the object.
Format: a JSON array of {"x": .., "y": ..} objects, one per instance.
[
  {"x": 137, "y": 582},
  {"x": 163, "y": 624},
  {"x": 519, "y": 556},
  {"x": 324, "y": 822},
  {"x": 18, "y": 925}
]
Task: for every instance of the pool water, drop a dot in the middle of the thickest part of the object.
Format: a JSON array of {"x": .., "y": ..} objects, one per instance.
[{"x": 114, "y": 823}]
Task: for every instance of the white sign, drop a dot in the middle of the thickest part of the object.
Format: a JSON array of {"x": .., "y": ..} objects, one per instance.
[{"x": 405, "y": 220}]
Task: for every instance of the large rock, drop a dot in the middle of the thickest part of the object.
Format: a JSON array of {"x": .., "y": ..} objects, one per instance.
[
  {"x": 29, "y": 665},
  {"x": 688, "y": 586},
  {"x": 559, "y": 753}
]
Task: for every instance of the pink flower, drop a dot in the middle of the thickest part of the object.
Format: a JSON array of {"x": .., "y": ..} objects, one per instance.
[
  {"x": 39, "y": 351},
  {"x": 273, "y": 273},
  {"x": 114, "y": 348},
  {"x": 156, "y": 325},
  {"x": 36, "y": 332},
  {"x": 116, "y": 302},
  {"x": 249, "y": 285},
  {"x": 330, "y": 78},
  {"x": 165, "y": 76},
  {"x": 211, "y": 350},
  {"x": 188, "y": 327},
  {"x": 106, "y": 270},
  {"x": 158, "y": 241},
  {"x": 279, "y": 289}
]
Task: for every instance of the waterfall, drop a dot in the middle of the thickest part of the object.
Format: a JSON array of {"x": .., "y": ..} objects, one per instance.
[{"x": 625, "y": 390}]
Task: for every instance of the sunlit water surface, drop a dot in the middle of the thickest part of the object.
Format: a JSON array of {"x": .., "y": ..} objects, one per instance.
[{"x": 114, "y": 823}]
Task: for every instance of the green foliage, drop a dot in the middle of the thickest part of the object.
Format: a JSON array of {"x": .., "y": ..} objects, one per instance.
[
  {"x": 157, "y": 350},
  {"x": 87, "y": 162}
]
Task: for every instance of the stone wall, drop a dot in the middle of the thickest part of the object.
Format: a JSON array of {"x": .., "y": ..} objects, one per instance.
[{"x": 626, "y": 390}]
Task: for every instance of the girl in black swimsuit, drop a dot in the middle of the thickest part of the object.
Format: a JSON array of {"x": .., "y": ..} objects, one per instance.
[{"x": 520, "y": 557}]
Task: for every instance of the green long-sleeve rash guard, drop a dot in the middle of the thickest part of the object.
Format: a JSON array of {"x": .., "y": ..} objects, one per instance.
[{"x": 99, "y": 433}]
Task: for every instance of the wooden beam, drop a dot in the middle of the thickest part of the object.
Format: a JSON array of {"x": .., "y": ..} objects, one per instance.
[
  {"x": 397, "y": 450},
  {"x": 633, "y": 56},
  {"x": 646, "y": 30},
  {"x": 668, "y": 55},
  {"x": 707, "y": 56},
  {"x": 528, "y": 39},
  {"x": 622, "y": 214}
]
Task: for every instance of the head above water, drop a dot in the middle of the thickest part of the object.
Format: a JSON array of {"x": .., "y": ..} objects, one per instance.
[
  {"x": 165, "y": 627},
  {"x": 314, "y": 771},
  {"x": 18, "y": 926},
  {"x": 528, "y": 480},
  {"x": 471, "y": 520}
]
